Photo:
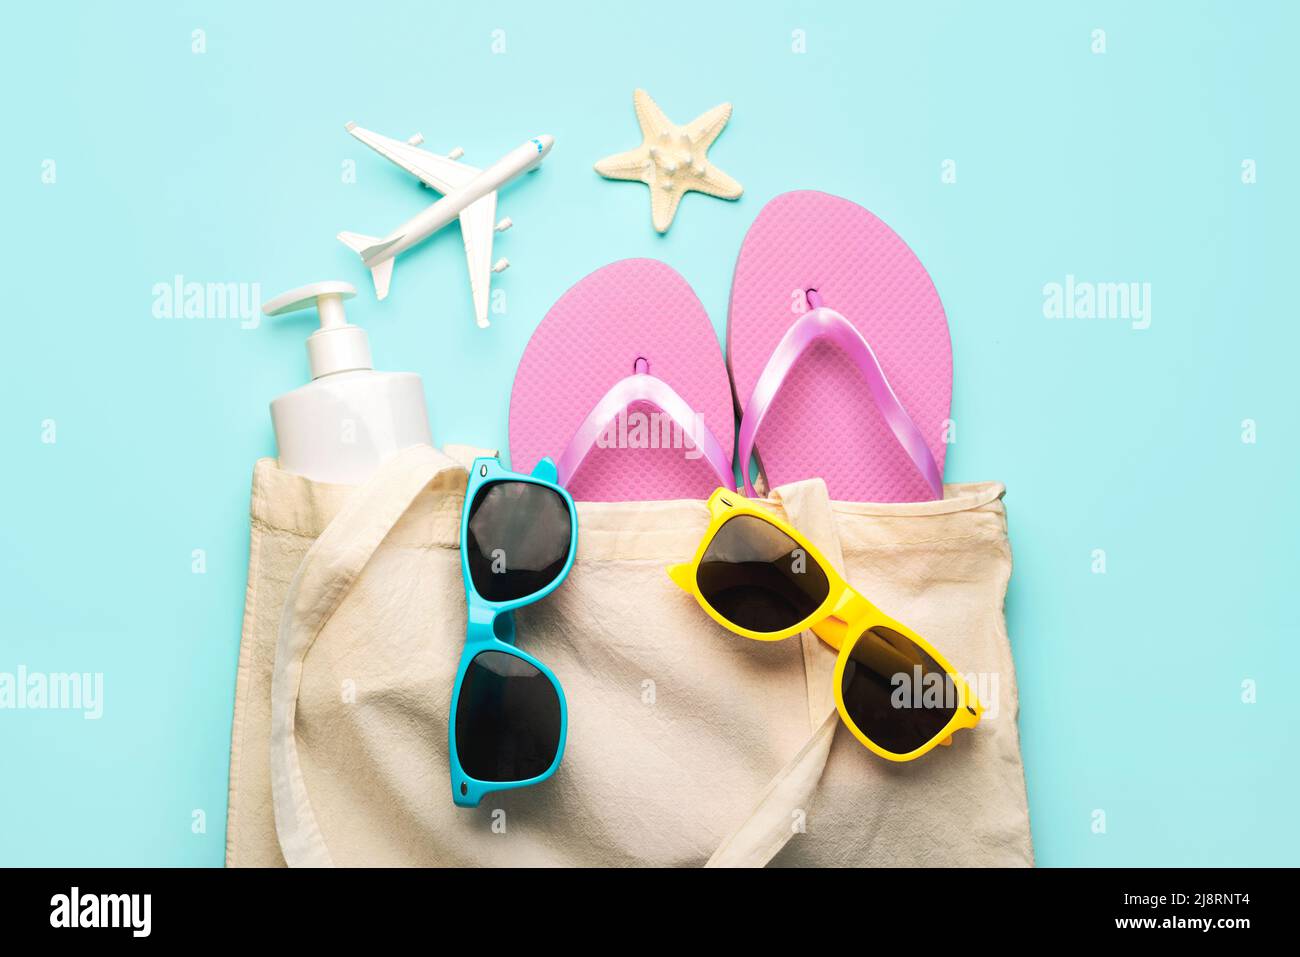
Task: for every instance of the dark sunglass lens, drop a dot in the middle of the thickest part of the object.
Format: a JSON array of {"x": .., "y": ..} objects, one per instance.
[
  {"x": 758, "y": 577},
  {"x": 507, "y": 719},
  {"x": 518, "y": 539},
  {"x": 895, "y": 693}
]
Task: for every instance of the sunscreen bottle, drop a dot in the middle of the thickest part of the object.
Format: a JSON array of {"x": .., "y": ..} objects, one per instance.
[{"x": 340, "y": 426}]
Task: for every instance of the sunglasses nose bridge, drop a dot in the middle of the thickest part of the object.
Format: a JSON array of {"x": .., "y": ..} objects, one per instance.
[
  {"x": 842, "y": 622},
  {"x": 851, "y": 607},
  {"x": 482, "y": 616},
  {"x": 833, "y": 631}
]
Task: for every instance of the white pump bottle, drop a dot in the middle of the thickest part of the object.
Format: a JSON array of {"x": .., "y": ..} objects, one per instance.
[{"x": 340, "y": 426}]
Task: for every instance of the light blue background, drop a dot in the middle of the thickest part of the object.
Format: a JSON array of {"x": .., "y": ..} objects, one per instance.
[{"x": 225, "y": 167}]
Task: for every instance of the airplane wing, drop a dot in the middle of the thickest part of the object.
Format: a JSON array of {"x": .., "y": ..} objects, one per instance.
[
  {"x": 477, "y": 224},
  {"x": 441, "y": 173}
]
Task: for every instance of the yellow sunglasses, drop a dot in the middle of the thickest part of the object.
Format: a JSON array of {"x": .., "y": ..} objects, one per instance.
[{"x": 759, "y": 577}]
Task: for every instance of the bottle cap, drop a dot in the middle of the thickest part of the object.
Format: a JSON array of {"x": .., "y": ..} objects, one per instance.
[{"x": 336, "y": 346}]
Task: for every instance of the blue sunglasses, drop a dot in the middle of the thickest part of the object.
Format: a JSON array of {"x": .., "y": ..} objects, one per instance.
[{"x": 518, "y": 536}]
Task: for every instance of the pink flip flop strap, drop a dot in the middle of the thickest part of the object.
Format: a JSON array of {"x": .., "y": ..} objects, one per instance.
[
  {"x": 641, "y": 386},
  {"x": 817, "y": 324}
]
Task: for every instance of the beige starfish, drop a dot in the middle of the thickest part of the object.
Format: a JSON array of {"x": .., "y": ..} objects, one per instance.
[{"x": 672, "y": 160}]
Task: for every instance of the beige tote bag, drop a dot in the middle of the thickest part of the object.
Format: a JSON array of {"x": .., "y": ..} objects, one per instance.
[{"x": 687, "y": 745}]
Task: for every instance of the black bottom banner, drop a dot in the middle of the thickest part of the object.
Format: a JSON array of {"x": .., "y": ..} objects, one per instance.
[{"x": 619, "y": 907}]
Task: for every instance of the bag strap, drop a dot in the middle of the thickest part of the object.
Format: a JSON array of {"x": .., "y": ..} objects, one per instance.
[
  {"x": 774, "y": 818},
  {"x": 324, "y": 578}
]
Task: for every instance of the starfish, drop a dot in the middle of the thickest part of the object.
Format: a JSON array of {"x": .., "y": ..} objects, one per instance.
[{"x": 672, "y": 160}]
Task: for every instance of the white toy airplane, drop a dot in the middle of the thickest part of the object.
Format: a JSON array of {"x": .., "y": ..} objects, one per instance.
[{"x": 467, "y": 193}]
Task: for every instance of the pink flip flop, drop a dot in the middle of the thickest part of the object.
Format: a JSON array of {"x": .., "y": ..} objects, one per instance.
[
  {"x": 838, "y": 347},
  {"x": 624, "y": 385}
]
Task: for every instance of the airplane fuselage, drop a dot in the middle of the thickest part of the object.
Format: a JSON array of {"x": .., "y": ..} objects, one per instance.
[{"x": 419, "y": 227}]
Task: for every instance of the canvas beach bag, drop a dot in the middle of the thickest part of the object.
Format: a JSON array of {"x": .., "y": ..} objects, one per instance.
[{"x": 687, "y": 745}]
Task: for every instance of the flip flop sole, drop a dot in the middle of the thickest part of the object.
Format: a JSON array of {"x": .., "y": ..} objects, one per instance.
[
  {"x": 823, "y": 421},
  {"x": 590, "y": 339}
]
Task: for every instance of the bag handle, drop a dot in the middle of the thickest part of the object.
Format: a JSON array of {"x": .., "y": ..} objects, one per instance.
[
  {"x": 324, "y": 578},
  {"x": 770, "y": 823}
]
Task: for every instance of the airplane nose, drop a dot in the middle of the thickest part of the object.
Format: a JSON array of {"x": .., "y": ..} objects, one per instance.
[{"x": 547, "y": 142}]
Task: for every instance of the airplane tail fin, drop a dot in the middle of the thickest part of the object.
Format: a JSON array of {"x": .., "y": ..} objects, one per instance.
[{"x": 368, "y": 247}]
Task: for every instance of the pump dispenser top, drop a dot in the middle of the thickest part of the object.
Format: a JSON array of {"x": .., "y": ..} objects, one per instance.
[
  {"x": 343, "y": 424},
  {"x": 336, "y": 346}
]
